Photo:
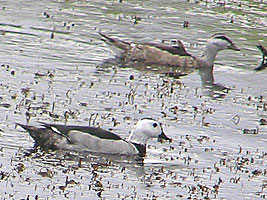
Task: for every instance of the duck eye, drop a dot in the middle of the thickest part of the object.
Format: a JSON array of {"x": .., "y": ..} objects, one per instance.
[{"x": 155, "y": 125}]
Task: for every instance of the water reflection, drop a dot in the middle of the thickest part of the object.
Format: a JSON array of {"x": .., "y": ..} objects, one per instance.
[
  {"x": 208, "y": 85},
  {"x": 67, "y": 161}
]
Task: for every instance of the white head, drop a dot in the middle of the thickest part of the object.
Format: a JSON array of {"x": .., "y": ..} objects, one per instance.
[
  {"x": 216, "y": 43},
  {"x": 146, "y": 129}
]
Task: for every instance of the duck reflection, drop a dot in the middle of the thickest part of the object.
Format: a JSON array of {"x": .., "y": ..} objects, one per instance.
[
  {"x": 82, "y": 160},
  {"x": 208, "y": 86},
  {"x": 94, "y": 166}
]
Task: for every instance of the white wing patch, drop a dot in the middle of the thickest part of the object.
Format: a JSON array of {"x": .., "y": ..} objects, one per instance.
[{"x": 55, "y": 130}]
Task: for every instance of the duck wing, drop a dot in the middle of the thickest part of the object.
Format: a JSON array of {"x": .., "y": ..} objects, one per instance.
[
  {"x": 175, "y": 50},
  {"x": 64, "y": 130}
]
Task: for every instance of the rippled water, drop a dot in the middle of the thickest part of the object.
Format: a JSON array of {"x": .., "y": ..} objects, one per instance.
[{"x": 55, "y": 68}]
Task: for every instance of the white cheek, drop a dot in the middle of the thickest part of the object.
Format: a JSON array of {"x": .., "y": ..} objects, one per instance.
[{"x": 155, "y": 132}]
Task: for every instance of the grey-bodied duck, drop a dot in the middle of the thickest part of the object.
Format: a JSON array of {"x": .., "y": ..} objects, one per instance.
[{"x": 93, "y": 139}]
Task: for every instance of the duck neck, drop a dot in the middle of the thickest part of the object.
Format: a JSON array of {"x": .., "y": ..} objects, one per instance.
[
  {"x": 137, "y": 137},
  {"x": 141, "y": 149},
  {"x": 209, "y": 55}
]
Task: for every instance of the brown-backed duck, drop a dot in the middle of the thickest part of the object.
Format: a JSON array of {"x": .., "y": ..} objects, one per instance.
[{"x": 161, "y": 54}]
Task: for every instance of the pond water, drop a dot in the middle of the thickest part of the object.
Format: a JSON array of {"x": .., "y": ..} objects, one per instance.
[{"x": 55, "y": 68}]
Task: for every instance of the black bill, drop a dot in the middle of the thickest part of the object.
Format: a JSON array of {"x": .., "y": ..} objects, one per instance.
[{"x": 162, "y": 137}]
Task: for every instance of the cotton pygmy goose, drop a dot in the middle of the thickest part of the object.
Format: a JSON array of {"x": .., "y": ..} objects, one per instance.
[
  {"x": 152, "y": 53},
  {"x": 92, "y": 139}
]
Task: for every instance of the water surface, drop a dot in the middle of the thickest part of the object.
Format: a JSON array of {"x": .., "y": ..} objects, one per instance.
[{"x": 54, "y": 68}]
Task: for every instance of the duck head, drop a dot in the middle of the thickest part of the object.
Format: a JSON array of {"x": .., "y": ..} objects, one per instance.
[
  {"x": 220, "y": 41},
  {"x": 216, "y": 43},
  {"x": 146, "y": 129}
]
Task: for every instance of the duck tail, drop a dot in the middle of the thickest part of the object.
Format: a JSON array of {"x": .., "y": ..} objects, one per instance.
[
  {"x": 118, "y": 43},
  {"x": 30, "y": 129},
  {"x": 34, "y": 132},
  {"x": 42, "y": 136}
]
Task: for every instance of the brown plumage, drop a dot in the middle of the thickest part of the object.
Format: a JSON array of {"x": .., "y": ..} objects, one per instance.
[
  {"x": 152, "y": 53},
  {"x": 160, "y": 54}
]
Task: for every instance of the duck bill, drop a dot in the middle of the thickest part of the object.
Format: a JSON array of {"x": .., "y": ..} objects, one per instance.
[
  {"x": 162, "y": 137},
  {"x": 233, "y": 47}
]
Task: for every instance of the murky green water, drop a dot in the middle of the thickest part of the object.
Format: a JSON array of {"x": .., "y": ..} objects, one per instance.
[{"x": 54, "y": 68}]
